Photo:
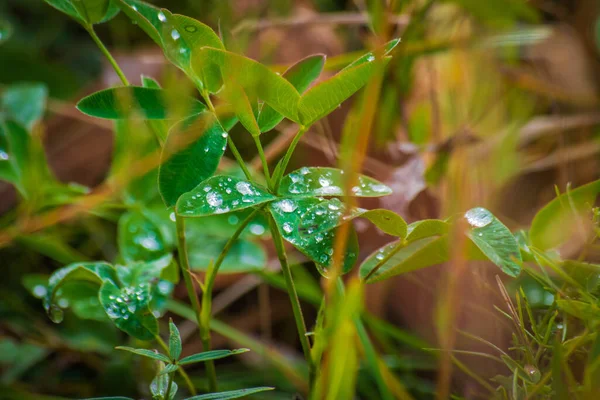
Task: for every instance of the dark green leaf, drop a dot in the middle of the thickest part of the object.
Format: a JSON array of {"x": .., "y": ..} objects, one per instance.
[
  {"x": 139, "y": 237},
  {"x": 494, "y": 240},
  {"x": 67, "y": 7},
  {"x": 174, "y": 341},
  {"x": 210, "y": 355},
  {"x": 321, "y": 181},
  {"x": 146, "y": 353},
  {"x": 109, "y": 398},
  {"x": 92, "y": 11},
  {"x": 168, "y": 369},
  {"x": 191, "y": 155},
  {"x": 132, "y": 101},
  {"x": 243, "y": 256},
  {"x": 221, "y": 194},
  {"x": 24, "y": 103},
  {"x": 233, "y": 394},
  {"x": 129, "y": 309},
  {"x": 6, "y": 31},
  {"x": 300, "y": 75},
  {"x": 563, "y": 217},
  {"x": 137, "y": 273}
]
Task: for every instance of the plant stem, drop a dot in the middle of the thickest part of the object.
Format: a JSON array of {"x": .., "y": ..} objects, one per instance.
[
  {"x": 296, "y": 308},
  {"x": 107, "y": 54},
  {"x": 181, "y": 371},
  {"x": 169, "y": 386},
  {"x": 288, "y": 156},
  {"x": 189, "y": 284},
  {"x": 263, "y": 160}
]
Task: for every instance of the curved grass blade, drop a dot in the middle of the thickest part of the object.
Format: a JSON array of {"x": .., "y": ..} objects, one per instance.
[{"x": 210, "y": 355}]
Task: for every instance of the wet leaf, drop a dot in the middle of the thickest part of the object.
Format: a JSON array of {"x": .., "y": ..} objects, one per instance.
[
  {"x": 210, "y": 355},
  {"x": 132, "y": 101},
  {"x": 129, "y": 309},
  {"x": 494, "y": 240},
  {"x": 243, "y": 256},
  {"x": 426, "y": 228},
  {"x": 174, "y": 341},
  {"x": 288, "y": 213},
  {"x": 142, "y": 272},
  {"x": 300, "y": 75},
  {"x": 159, "y": 386},
  {"x": 153, "y": 354},
  {"x": 370, "y": 56},
  {"x": 233, "y": 394},
  {"x": 221, "y": 194},
  {"x": 257, "y": 80},
  {"x": 24, "y": 103},
  {"x": 321, "y": 181},
  {"x": 139, "y": 237},
  {"x": 561, "y": 219},
  {"x": 146, "y": 16},
  {"x": 191, "y": 154}
]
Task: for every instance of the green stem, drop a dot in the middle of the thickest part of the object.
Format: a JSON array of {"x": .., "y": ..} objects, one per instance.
[
  {"x": 189, "y": 284},
  {"x": 107, "y": 54},
  {"x": 295, "y": 302},
  {"x": 181, "y": 371},
  {"x": 169, "y": 386},
  {"x": 263, "y": 160},
  {"x": 288, "y": 156}
]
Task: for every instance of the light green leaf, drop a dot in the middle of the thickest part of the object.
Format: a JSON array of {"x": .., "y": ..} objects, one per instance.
[
  {"x": 426, "y": 228},
  {"x": 387, "y": 221},
  {"x": 321, "y": 181},
  {"x": 221, "y": 194},
  {"x": 370, "y": 56},
  {"x": 300, "y": 75},
  {"x": 494, "y": 240},
  {"x": 257, "y": 80},
  {"x": 233, "y": 394},
  {"x": 579, "y": 309},
  {"x": 160, "y": 384},
  {"x": 133, "y": 101},
  {"x": 288, "y": 213},
  {"x": 404, "y": 258},
  {"x": 168, "y": 369},
  {"x": 24, "y": 103},
  {"x": 191, "y": 154},
  {"x": 564, "y": 217},
  {"x": 146, "y": 353},
  {"x": 210, "y": 355},
  {"x": 129, "y": 309},
  {"x": 146, "y": 16},
  {"x": 174, "y": 341},
  {"x": 139, "y": 237},
  {"x": 243, "y": 256}
]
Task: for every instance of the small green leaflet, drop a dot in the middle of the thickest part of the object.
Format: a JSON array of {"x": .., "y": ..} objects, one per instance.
[
  {"x": 233, "y": 394},
  {"x": 191, "y": 154},
  {"x": 132, "y": 101},
  {"x": 221, "y": 194},
  {"x": 159, "y": 386},
  {"x": 174, "y": 341},
  {"x": 426, "y": 228},
  {"x": 153, "y": 354},
  {"x": 139, "y": 237},
  {"x": 210, "y": 355}
]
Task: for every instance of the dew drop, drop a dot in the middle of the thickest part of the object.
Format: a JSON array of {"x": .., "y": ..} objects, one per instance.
[
  {"x": 244, "y": 188},
  {"x": 39, "y": 291},
  {"x": 287, "y": 205},
  {"x": 233, "y": 219},
  {"x": 257, "y": 229},
  {"x": 175, "y": 35},
  {"x": 56, "y": 314},
  {"x": 224, "y": 134},
  {"x": 172, "y": 216},
  {"x": 3, "y": 155},
  {"x": 478, "y": 217},
  {"x": 287, "y": 227},
  {"x": 161, "y": 17}
]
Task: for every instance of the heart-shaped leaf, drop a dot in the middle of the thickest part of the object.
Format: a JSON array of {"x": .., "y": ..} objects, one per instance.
[
  {"x": 131, "y": 101},
  {"x": 153, "y": 354},
  {"x": 257, "y": 80},
  {"x": 494, "y": 240},
  {"x": 174, "y": 341},
  {"x": 322, "y": 181},
  {"x": 221, "y": 194},
  {"x": 129, "y": 309},
  {"x": 233, "y": 394},
  {"x": 140, "y": 238},
  {"x": 300, "y": 75},
  {"x": 288, "y": 213},
  {"x": 561, "y": 218},
  {"x": 210, "y": 355},
  {"x": 191, "y": 154}
]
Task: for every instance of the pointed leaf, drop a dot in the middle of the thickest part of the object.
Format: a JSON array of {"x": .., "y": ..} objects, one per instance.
[
  {"x": 369, "y": 57},
  {"x": 210, "y": 355},
  {"x": 168, "y": 369},
  {"x": 221, "y": 194},
  {"x": 160, "y": 384},
  {"x": 191, "y": 154},
  {"x": 14, "y": 154},
  {"x": 288, "y": 213},
  {"x": 561, "y": 219},
  {"x": 300, "y": 75},
  {"x": 132, "y": 101},
  {"x": 416, "y": 255},
  {"x": 256, "y": 79},
  {"x": 321, "y": 181},
  {"x": 139, "y": 237},
  {"x": 174, "y": 341},
  {"x": 67, "y": 7},
  {"x": 129, "y": 309},
  {"x": 146, "y": 353},
  {"x": 494, "y": 240},
  {"x": 233, "y": 394},
  {"x": 235, "y": 95},
  {"x": 24, "y": 103},
  {"x": 426, "y": 228},
  {"x": 389, "y": 222},
  {"x": 92, "y": 11}
]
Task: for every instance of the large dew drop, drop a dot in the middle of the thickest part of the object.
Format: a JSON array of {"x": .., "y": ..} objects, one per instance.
[
  {"x": 56, "y": 314},
  {"x": 479, "y": 217}
]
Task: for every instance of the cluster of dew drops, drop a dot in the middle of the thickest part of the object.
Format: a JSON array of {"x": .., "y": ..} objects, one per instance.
[
  {"x": 236, "y": 192},
  {"x": 128, "y": 301},
  {"x": 320, "y": 182}
]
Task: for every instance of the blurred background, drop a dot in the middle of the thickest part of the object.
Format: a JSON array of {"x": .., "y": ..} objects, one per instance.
[{"x": 485, "y": 103}]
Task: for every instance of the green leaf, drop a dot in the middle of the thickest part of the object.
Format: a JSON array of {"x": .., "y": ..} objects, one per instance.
[
  {"x": 133, "y": 101},
  {"x": 168, "y": 369},
  {"x": 129, "y": 309},
  {"x": 426, "y": 228},
  {"x": 191, "y": 154},
  {"x": 579, "y": 309},
  {"x": 137, "y": 273},
  {"x": 159, "y": 127},
  {"x": 235, "y": 95},
  {"x": 92, "y": 11},
  {"x": 67, "y": 7},
  {"x": 146, "y": 353},
  {"x": 300, "y": 75},
  {"x": 6, "y": 31},
  {"x": 94, "y": 272},
  {"x": 370, "y": 56},
  {"x": 221, "y": 194},
  {"x": 288, "y": 213},
  {"x": 174, "y": 341},
  {"x": 387, "y": 221},
  {"x": 24, "y": 103},
  {"x": 109, "y": 398},
  {"x": 404, "y": 258},
  {"x": 563, "y": 217},
  {"x": 160, "y": 384},
  {"x": 139, "y": 237},
  {"x": 321, "y": 181},
  {"x": 494, "y": 240},
  {"x": 243, "y": 256},
  {"x": 210, "y": 355},
  {"x": 146, "y": 16},
  {"x": 257, "y": 80},
  {"x": 233, "y": 394}
]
